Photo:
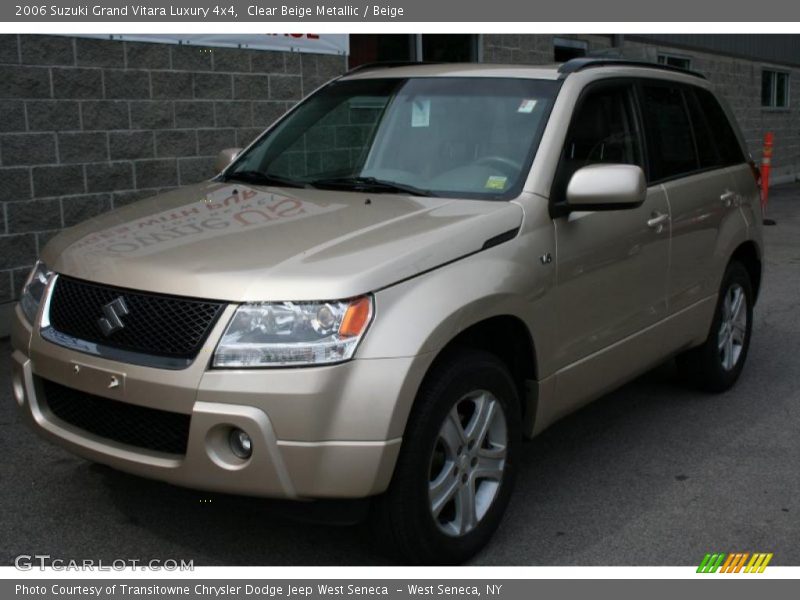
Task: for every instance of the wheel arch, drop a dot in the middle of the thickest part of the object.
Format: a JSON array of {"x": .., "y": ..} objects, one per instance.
[
  {"x": 482, "y": 303},
  {"x": 507, "y": 337},
  {"x": 748, "y": 254}
]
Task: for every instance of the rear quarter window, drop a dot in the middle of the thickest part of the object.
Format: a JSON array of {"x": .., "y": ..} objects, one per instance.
[{"x": 723, "y": 134}]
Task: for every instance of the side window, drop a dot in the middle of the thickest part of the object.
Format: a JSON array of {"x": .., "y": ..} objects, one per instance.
[
  {"x": 603, "y": 130},
  {"x": 707, "y": 151},
  {"x": 670, "y": 146},
  {"x": 725, "y": 139}
]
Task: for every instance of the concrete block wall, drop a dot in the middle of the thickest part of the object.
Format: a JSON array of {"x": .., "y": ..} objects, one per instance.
[
  {"x": 535, "y": 49},
  {"x": 87, "y": 125},
  {"x": 518, "y": 49}
]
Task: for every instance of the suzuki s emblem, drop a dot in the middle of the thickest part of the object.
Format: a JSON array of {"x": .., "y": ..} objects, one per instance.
[{"x": 113, "y": 311}]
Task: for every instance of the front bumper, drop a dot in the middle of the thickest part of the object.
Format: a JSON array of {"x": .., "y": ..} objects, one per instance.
[{"x": 322, "y": 432}]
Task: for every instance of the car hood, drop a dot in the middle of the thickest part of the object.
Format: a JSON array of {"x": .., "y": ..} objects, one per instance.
[{"x": 244, "y": 243}]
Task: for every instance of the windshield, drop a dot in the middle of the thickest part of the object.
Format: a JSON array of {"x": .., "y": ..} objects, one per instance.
[{"x": 439, "y": 136}]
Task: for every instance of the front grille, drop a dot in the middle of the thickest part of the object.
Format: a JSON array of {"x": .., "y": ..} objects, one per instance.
[
  {"x": 155, "y": 324},
  {"x": 121, "y": 422}
]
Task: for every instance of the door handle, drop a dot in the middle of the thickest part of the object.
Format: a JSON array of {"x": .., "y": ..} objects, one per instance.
[
  {"x": 727, "y": 198},
  {"x": 656, "y": 221}
]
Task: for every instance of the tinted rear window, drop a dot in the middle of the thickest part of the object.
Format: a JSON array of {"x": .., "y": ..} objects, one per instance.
[
  {"x": 707, "y": 152},
  {"x": 671, "y": 148}
]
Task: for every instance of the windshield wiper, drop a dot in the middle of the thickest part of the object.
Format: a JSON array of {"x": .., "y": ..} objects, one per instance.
[
  {"x": 370, "y": 184},
  {"x": 259, "y": 178}
]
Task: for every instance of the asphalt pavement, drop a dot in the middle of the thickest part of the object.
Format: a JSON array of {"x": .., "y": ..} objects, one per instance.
[{"x": 652, "y": 474}]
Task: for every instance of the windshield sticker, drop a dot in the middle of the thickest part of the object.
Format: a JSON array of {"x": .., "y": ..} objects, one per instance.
[
  {"x": 421, "y": 113},
  {"x": 496, "y": 182},
  {"x": 527, "y": 106}
]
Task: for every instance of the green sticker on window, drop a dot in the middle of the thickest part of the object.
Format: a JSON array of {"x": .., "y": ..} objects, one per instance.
[{"x": 496, "y": 182}]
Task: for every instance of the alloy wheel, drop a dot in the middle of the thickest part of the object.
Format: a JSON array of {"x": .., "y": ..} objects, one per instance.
[
  {"x": 468, "y": 463},
  {"x": 733, "y": 327}
]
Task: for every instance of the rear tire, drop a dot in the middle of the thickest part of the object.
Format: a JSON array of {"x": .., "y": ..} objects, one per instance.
[
  {"x": 456, "y": 468},
  {"x": 716, "y": 365}
]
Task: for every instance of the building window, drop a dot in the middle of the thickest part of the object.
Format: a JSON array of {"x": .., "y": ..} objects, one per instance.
[
  {"x": 369, "y": 48},
  {"x": 672, "y": 60},
  {"x": 564, "y": 49},
  {"x": 449, "y": 47},
  {"x": 774, "y": 89}
]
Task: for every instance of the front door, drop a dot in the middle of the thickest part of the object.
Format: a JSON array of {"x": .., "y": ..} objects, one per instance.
[{"x": 612, "y": 265}]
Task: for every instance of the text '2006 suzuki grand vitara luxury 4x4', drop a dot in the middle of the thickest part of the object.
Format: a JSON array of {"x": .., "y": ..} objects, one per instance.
[{"x": 410, "y": 272}]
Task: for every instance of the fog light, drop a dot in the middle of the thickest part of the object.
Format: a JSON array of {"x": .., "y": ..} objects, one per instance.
[{"x": 241, "y": 444}]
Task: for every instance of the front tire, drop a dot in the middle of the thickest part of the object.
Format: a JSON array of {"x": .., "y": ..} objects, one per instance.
[
  {"x": 455, "y": 472},
  {"x": 716, "y": 365}
]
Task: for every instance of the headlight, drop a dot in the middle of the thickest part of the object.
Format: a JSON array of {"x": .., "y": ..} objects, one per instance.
[
  {"x": 33, "y": 290},
  {"x": 293, "y": 333}
]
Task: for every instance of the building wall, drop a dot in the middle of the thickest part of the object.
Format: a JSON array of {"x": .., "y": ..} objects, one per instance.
[
  {"x": 535, "y": 49},
  {"x": 779, "y": 48},
  {"x": 87, "y": 125}
]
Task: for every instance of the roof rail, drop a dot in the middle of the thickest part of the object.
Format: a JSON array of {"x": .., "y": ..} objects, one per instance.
[
  {"x": 579, "y": 64},
  {"x": 388, "y": 64}
]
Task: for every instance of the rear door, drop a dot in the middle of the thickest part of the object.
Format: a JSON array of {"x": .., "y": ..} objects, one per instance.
[{"x": 684, "y": 158}]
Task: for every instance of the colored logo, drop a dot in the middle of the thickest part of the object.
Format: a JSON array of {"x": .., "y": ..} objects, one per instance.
[{"x": 735, "y": 562}]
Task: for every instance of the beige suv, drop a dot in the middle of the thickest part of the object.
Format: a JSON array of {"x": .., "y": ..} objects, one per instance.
[{"x": 413, "y": 270}]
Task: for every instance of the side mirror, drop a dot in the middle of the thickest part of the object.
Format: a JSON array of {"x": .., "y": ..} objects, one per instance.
[
  {"x": 225, "y": 157},
  {"x": 606, "y": 187}
]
